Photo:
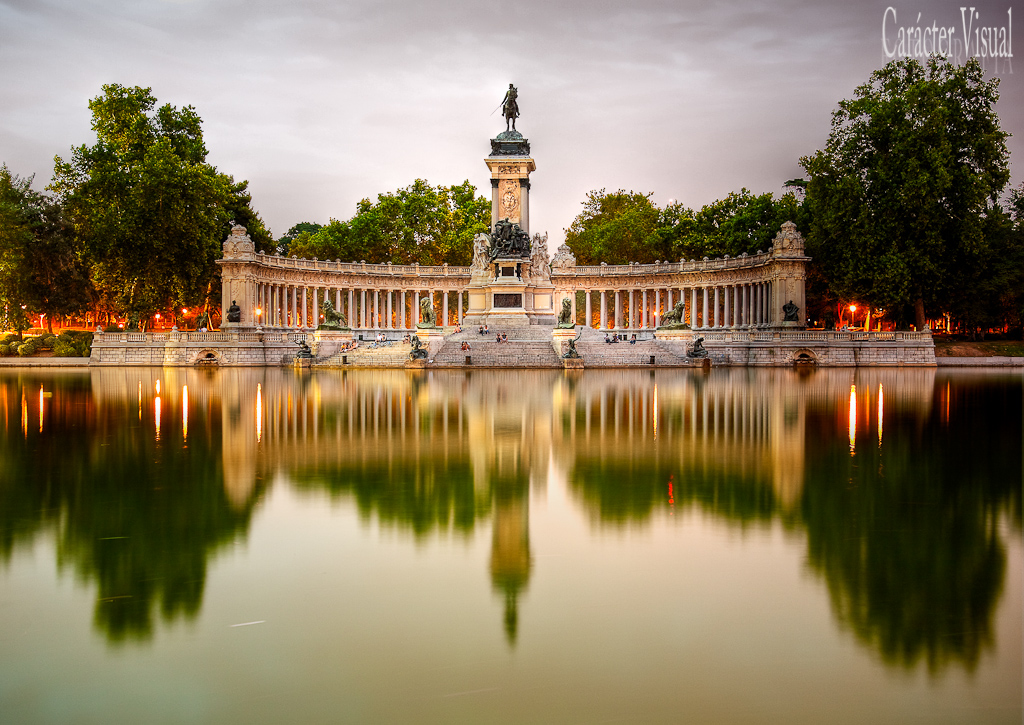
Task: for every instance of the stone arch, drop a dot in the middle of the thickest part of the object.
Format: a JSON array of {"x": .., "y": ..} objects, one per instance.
[
  {"x": 208, "y": 356},
  {"x": 804, "y": 356}
]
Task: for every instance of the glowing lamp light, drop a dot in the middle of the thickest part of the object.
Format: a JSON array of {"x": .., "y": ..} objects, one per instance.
[
  {"x": 184, "y": 310},
  {"x": 853, "y": 308},
  {"x": 158, "y": 315}
]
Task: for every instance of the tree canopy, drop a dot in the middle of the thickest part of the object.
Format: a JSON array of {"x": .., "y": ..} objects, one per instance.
[
  {"x": 419, "y": 223},
  {"x": 903, "y": 193},
  {"x": 627, "y": 226},
  {"x": 147, "y": 209},
  {"x": 40, "y": 267}
]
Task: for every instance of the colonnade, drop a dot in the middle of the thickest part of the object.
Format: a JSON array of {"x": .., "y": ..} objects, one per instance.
[
  {"x": 365, "y": 308},
  {"x": 721, "y": 306}
]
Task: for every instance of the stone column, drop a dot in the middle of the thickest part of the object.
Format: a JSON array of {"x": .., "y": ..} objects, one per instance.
[
  {"x": 643, "y": 308},
  {"x": 587, "y": 310},
  {"x": 293, "y": 310},
  {"x": 458, "y": 307},
  {"x": 726, "y": 311},
  {"x": 618, "y": 309},
  {"x": 444, "y": 306},
  {"x": 316, "y": 308},
  {"x": 572, "y": 304},
  {"x": 704, "y": 307},
  {"x": 693, "y": 308},
  {"x": 415, "y": 313},
  {"x": 604, "y": 310}
]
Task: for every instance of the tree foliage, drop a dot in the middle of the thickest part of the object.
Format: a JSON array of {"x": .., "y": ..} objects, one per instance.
[
  {"x": 40, "y": 268},
  {"x": 149, "y": 211},
  {"x": 617, "y": 228},
  {"x": 900, "y": 197},
  {"x": 292, "y": 234},
  {"x": 623, "y": 227},
  {"x": 420, "y": 223}
]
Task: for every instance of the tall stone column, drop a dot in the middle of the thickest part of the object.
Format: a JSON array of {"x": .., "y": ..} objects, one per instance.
[
  {"x": 510, "y": 183},
  {"x": 604, "y": 309},
  {"x": 444, "y": 307},
  {"x": 704, "y": 308},
  {"x": 415, "y": 312},
  {"x": 316, "y": 308},
  {"x": 590, "y": 319},
  {"x": 618, "y": 309}
]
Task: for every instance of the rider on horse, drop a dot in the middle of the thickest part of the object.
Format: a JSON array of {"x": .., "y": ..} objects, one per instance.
[{"x": 510, "y": 107}]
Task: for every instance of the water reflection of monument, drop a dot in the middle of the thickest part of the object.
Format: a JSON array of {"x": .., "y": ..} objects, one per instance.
[{"x": 446, "y": 452}]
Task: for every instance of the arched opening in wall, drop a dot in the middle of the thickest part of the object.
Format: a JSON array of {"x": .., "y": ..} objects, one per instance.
[
  {"x": 804, "y": 357},
  {"x": 207, "y": 357}
]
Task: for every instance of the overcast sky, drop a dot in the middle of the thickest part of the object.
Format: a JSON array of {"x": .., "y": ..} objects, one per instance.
[{"x": 320, "y": 104}]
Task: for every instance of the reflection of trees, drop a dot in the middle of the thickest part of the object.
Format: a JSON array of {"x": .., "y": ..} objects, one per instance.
[
  {"x": 623, "y": 491},
  {"x": 425, "y": 495},
  {"x": 138, "y": 517},
  {"x": 906, "y": 535}
]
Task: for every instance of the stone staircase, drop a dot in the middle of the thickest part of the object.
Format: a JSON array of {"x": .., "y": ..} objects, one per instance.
[
  {"x": 394, "y": 355},
  {"x": 527, "y": 347},
  {"x": 597, "y": 353}
]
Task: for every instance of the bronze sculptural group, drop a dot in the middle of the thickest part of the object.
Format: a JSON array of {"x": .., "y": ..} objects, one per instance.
[{"x": 508, "y": 240}]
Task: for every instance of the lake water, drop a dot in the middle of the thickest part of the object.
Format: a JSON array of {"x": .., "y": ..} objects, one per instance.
[{"x": 739, "y": 546}]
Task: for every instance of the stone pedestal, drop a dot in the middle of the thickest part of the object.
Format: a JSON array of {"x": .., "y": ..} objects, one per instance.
[
  {"x": 684, "y": 336},
  {"x": 328, "y": 342},
  {"x": 560, "y": 339},
  {"x": 432, "y": 339},
  {"x": 500, "y": 299}
]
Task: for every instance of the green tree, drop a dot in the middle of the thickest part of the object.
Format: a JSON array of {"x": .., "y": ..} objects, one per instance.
[
  {"x": 900, "y": 194},
  {"x": 40, "y": 267},
  {"x": 741, "y": 222},
  {"x": 420, "y": 223},
  {"x": 334, "y": 241},
  {"x": 617, "y": 228},
  {"x": 150, "y": 212},
  {"x": 292, "y": 234}
]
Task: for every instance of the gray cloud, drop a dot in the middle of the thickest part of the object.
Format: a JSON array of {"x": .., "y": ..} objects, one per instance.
[{"x": 319, "y": 104}]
